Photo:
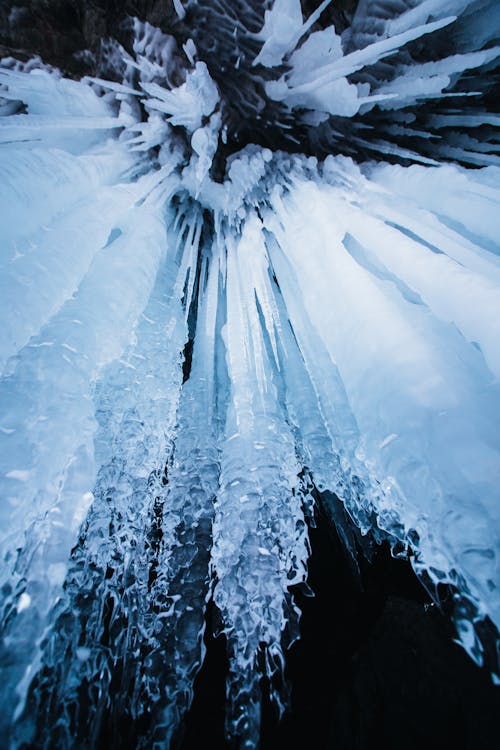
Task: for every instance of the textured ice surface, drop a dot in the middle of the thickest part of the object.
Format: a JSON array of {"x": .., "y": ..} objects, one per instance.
[
  {"x": 421, "y": 385},
  {"x": 182, "y": 356}
]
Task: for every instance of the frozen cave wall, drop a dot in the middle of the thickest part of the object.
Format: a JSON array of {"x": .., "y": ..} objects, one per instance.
[{"x": 250, "y": 279}]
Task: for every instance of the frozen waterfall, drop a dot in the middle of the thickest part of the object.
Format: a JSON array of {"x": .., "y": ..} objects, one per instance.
[{"x": 250, "y": 261}]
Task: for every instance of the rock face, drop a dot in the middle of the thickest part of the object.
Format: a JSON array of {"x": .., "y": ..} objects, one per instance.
[
  {"x": 69, "y": 33},
  {"x": 62, "y": 30},
  {"x": 375, "y": 661}
]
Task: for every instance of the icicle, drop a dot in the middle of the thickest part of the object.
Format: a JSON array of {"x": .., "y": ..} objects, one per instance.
[
  {"x": 283, "y": 28},
  {"x": 189, "y": 103},
  {"x": 107, "y": 590},
  {"x": 47, "y": 407},
  {"x": 260, "y": 546},
  {"x": 180, "y": 588},
  {"x": 319, "y": 86},
  {"x": 200, "y": 332},
  {"x": 439, "y": 385}
]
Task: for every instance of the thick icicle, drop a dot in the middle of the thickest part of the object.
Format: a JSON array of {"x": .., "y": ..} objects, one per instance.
[
  {"x": 416, "y": 387},
  {"x": 260, "y": 540},
  {"x": 107, "y": 592},
  {"x": 180, "y": 585},
  {"x": 48, "y": 410}
]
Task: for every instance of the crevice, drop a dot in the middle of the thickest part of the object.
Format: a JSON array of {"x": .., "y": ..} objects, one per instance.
[
  {"x": 375, "y": 658},
  {"x": 192, "y": 318},
  {"x": 204, "y": 722}
]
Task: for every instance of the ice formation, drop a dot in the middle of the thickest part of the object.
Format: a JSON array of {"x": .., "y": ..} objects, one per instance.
[{"x": 184, "y": 355}]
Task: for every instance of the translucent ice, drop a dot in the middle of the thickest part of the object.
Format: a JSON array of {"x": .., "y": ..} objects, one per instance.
[{"x": 201, "y": 331}]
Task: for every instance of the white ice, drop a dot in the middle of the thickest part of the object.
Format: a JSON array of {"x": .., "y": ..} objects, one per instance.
[{"x": 343, "y": 321}]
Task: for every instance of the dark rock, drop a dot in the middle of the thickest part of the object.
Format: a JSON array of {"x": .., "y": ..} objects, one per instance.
[{"x": 376, "y": 665}]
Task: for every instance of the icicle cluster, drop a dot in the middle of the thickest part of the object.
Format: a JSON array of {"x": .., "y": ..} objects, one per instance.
[{"x": 182, "y": 355}]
